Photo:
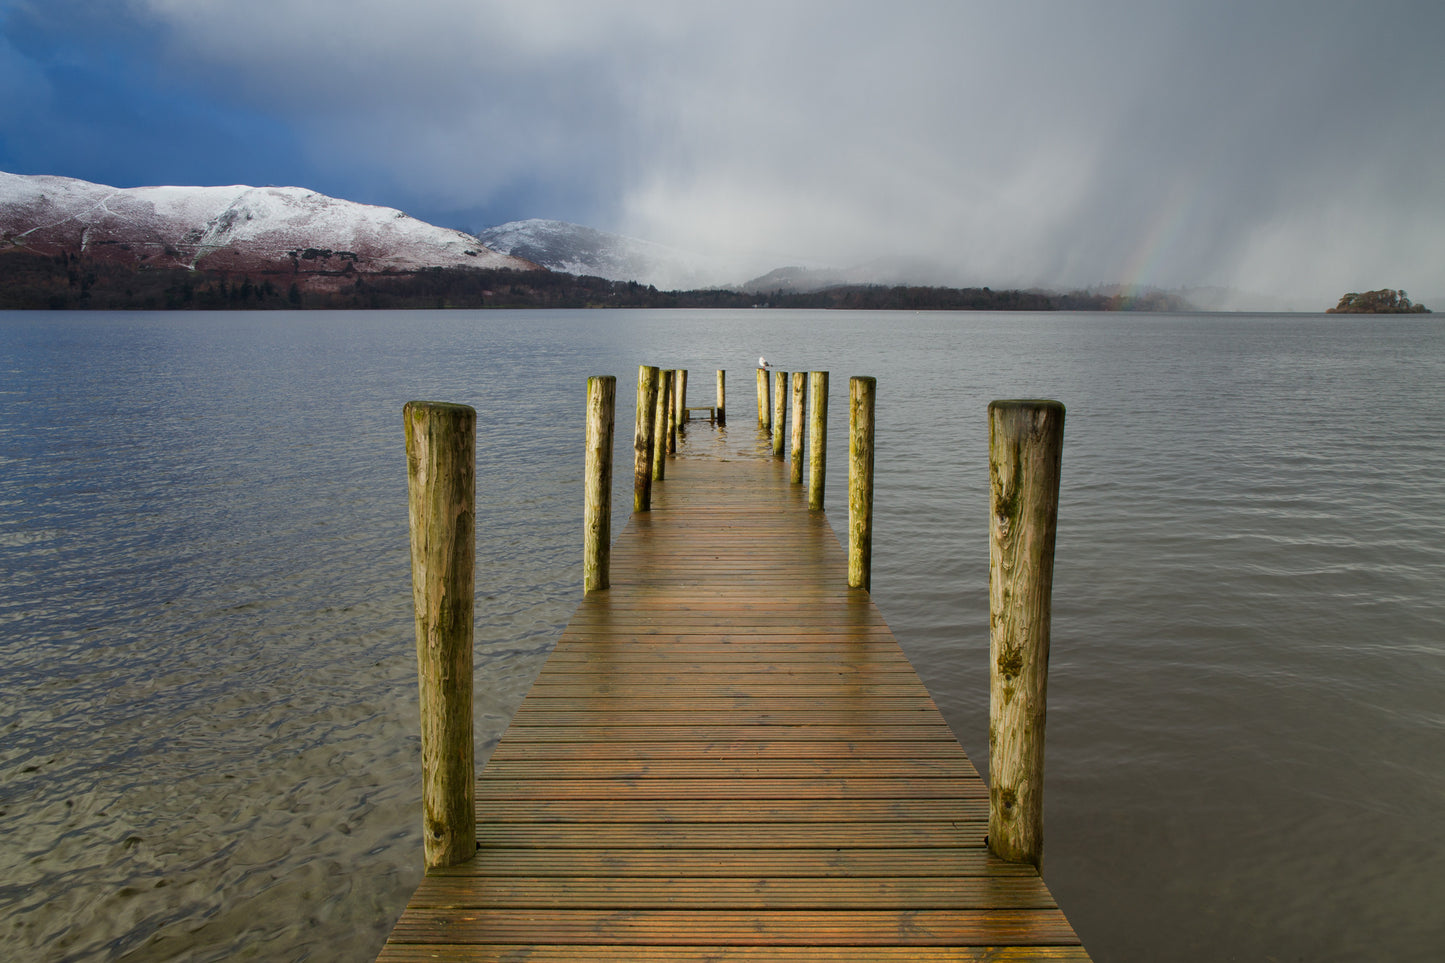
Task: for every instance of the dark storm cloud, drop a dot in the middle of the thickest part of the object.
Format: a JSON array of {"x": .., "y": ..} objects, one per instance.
[{"x": 1288, "y": 146}]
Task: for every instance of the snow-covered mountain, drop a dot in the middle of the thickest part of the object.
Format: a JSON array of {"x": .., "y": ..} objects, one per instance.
[
  {"x": 227, "y": 228},
  {"x": 574, "y": 249}
]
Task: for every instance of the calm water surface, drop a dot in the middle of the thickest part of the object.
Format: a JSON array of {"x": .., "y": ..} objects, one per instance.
[{"x": 208, "y": 740}]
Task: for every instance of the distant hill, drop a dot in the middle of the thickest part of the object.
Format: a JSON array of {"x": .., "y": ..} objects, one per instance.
[
  {"x": 585, "y": 251},
  {"x": 288, "y": 232}
]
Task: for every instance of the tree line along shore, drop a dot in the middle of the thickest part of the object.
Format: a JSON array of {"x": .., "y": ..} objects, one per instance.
[
  {"x": 32, "y": 281},
  {"x": 37, "y": 282}
]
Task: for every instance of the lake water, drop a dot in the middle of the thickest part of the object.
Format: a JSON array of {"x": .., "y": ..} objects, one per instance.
[{"x": 208, "y": 743}]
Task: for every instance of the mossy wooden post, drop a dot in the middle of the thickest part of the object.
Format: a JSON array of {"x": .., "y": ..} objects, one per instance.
[
  {"x": 647, "y": 376},
  {"x": 861, "y": 391},
  {"x": 765, "y": 408},
  {"x": 780, "y": 411},
  {"x": 441, "y": 468},
  {"x": 597, "y": 484},
  {"x": 659, "y": 425},
  {"x": 817, "y": 438},
  {"x": 722, "y": 397},
  {"x": 1025, "y": 449},
  {"x": 800, "y": 418}
]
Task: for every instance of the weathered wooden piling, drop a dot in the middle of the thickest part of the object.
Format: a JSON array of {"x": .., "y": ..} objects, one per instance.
[
  {"x": 722, "y": 397},
  {"x": 780, "y": 411},
  {"x": 681, "y": 405},
  {"x": 765, "y": 408},
  {"x": 597, "y": 486},
  {"x": 441, "y": 459},
  {"x": 647, "y": 377},
  {"x": 817, "y": 439},
  {"x": 659, "y": 425},
  {"x": 1025, "y": 451},
  {"x": 861, "y": 391},
  {"x": 799, "y": 414},
  {"x": 674, "y": 393}
]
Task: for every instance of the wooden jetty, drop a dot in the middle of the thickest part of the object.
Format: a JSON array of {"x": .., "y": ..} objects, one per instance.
[{"x": 728, "y": 757}]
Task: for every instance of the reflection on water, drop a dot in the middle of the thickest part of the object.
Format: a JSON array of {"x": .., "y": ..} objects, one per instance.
[{"x": 207, "y": 705}]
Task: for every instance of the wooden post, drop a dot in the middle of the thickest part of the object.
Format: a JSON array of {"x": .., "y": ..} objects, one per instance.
[
  {"x": 861, "y": 392},
  {"x": 674, "y": 390},
  {"x": 765, "y": 408},
  {"x": 659, "y": 425},
  {"x": 682, "y": 398},
  {"x": 817, "y": 439},
  {"x": 1025, "y": 449},
  {"x": 647, "y": 376},
  {"x": 597, "y": 486},
  {"x": 780, "y": 411},
  {"x": 441, "y": 460},
  {"x": 800, "y": 409},
  {"x": 722, "y": 397}
]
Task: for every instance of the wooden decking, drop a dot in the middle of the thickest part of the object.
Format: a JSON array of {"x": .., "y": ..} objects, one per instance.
[{"x": 728, "y": 757}]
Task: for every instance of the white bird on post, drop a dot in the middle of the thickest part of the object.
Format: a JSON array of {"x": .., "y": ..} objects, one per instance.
[{"x": 763, "y": 362}]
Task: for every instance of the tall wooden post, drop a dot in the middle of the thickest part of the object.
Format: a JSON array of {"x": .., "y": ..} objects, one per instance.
[
  {"x": 441, "y": 459},
  {"x": 674, "y": 392},
  {"x": 597, "y": 501},
  {"x": 780, "y": 411},
  {"x": 682, "y": 398},
  {"x": 817, "y": 439},
  {"x": 647, "y": 376},
  {"x": 1025, "y": 451},
  {"x": 800, "y": 408},
  {"x": 765, "y": 408},
  {"x": 659, "y": 425},
  {"x": 722, "y": 396},
  {"x": 861, "y": 391}
]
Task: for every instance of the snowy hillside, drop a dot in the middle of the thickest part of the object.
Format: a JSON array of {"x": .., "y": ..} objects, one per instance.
[
  {"x": 574, "y": 249},
  {"x": 227, "y": 228}
]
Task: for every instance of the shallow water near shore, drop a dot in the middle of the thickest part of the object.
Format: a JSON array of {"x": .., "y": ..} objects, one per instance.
[{"x": 208, "y": 741}]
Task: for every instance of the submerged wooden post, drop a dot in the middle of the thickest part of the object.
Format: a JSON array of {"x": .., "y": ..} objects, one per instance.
[
  {"x": 597, "y": 484},
  {"x": 1025, "y": 449},
  {"x": 647, "y": 376},
  {"x": 441, "y": 468},
  {"x": 722, "y": 397},
  {"x": 780, "y": 411},
  {"x": 861, "y": 391},
  {"x": 817, "y": 439},
  {"x": 659, "y": 425},
  {"x": 765, "y": 408},
  {"x": 800, "y": 408}
]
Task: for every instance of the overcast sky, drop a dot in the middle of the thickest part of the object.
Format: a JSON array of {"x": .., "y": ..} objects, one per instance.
[{"x": 1294, "y": 146}]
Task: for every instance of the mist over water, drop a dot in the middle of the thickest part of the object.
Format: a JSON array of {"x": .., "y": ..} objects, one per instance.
[{"x": 208, "y": 740}]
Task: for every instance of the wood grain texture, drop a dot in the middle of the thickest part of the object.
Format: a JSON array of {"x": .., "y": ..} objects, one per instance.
[
  {"x": 728, "y": 757},
  {"x": 1025, "y": 448},
  {"x": 441, "y": 458},
  {"x": 817, "y": 438},
  {"x": 779, "y": 422},
  {"x": 642, "y": 447},
  {"x": 597, "y": 484},
  {"x": 722, "y": 397},
  {"x": 800, "y": 420},
  {"x": 861, "y": 392}
]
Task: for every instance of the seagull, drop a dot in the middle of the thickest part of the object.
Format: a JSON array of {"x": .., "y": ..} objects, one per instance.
[{"x": 763, "y": 362}]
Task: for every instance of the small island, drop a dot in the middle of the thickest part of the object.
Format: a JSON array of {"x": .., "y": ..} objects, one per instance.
[{"x": 1383, "y": 301}]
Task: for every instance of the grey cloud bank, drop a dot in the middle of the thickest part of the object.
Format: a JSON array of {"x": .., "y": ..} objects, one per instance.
[{"x": 1286, "y": 147}]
